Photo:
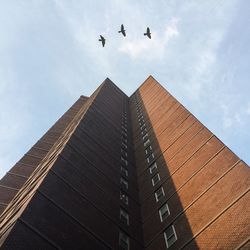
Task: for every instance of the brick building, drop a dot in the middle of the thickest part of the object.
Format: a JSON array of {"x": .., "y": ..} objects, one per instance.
[{"x": 119, "y": 172}]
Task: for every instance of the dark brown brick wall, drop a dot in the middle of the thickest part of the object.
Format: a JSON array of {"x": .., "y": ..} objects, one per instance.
[
  {"x": 77, "y": 205},
  {"x": 16, "y": 177}
]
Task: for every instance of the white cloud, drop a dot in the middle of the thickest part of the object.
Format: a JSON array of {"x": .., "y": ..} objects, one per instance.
[{"x": 155, "y": 48}]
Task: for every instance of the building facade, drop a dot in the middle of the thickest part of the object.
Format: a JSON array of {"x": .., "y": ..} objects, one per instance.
[{"x": 119, "y": 172}]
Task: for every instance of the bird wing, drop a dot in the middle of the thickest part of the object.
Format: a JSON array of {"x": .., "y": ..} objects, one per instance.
[
  {"x": 122, "y": 27},
  {"x": 148, "y": 30},
  {"x": 123, "y": 32},
  {"x": 149, "y": 35},
  {"x": 103, "y": 42}
]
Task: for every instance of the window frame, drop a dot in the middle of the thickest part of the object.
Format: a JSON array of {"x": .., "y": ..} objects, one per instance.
[
  {"x": 124, "y": 161},
  {"x": 123, "y": 237},
  {"x": 143, "y": 126},
  {"x": 125, "y": 216},
  {"x": 148, "y": 150},
  {"x": 124, "y": 197},
  {"x": 173, "y": 234},
  {"x": 144, "y": 131},
  {"x": 157, "y": 196},
  {"x": 145, "y": 143},
  {"x": 154, "y": 183},
  {"x": 161, "y": 214},
  {"x": 124, "y": 171},
  {"x": 124, "y": 145},
  {"x": 124, "y": 183},
  {"x": 150, "y": 158},
  {"x": 153, "y": 167},
  {"x": 124, "y": 152}
]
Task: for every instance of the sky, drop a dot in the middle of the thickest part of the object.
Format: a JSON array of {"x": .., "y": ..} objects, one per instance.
[{"x": 50, "y": 55}]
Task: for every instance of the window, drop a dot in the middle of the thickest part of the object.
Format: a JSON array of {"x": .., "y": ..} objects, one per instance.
[
  {"x": 124, "y": 134},
  {"x": 124, "y": 217},
  {"x": 124, "y": 140},
  {"x": 124, "y": 183},
  {"x": 159, "y": 193},
  {"x": 124, "y": 162},
  {"x": 146, "y": 143},
  {"x": 140, "y": 116},
  {"x": 124, "y": 171},
  {"x": 124, "y": 129},
  {"x": 124, "y": 153},
  {"x": 124, "y": 145},
  {"x": 145, "y": 137},
  {"x": 150, "y": 157},
  {"x": 148, "y": 150},
  {"x": 144, "y": 131},
  {"x": 155, "y": 179},
  {"x": 153, "y": 168},
  {"x": 123, "y": 241},
  {"x": 124, "y": 198},
  {"x": 170, "y": 236},
  {"x": 143, "y": 126},
  {"x": 141, "y": 123},
  {"x": 141, "y": 119},
  {"x": 164, "y": 212}
]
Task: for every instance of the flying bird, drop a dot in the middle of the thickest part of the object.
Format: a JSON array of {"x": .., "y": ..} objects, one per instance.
[
  {"x": 122, "y": 30},
  {"x": 102, "y": 40},
  {"x": 148, "y": 34}
]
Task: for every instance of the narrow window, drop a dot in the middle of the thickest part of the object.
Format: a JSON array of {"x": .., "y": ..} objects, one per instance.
[
  {"x": 124, "y": 134},
  {"x": 146, "y": 143},
  {"x": 124, "y": 183},
  {"x": 159, "y": 194},
  {"x": 123, "y": 241},
  {"x": 124, "y": 140},
  {"x": 124, "y": 129},
  {"x": 124, "y": 171},
  {"x": 170, "y": 236},
  {"x": 140, "y": 116},
  {"x": 124, "y": 162},
  {"x": 124, "y": 217},
  {"x": 145, "y": 137},
  {"x": 150, "y": 157},
  {"x": 124, "y": 121},
  {"x": 144, "y": 131},
  {"x": 155, "y": 179},
  {"x": 124, "y": 198},
  {"x": 148, "y": 150},
  {"x": 124, "y": 145},
  {"x": 143, "y": 126},
  {"x": 124, "y": 153},
  {"x": 141, "y": 119},
  {"x": 164, "y": 212},
  {"x": 153, "y": 168}
]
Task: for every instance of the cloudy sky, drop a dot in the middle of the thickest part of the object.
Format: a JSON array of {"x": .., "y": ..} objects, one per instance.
[{"x": 50, "y": 55}]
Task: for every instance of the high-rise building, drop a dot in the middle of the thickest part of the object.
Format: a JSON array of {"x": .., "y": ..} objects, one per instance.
[{"x": 119, "y": 172}]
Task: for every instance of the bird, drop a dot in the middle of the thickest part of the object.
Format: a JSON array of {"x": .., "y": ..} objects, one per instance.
[
  {"x": 122, "y": 30},
  {"x": 102, "y": 40},
  {"x": 148, "y": 34}
]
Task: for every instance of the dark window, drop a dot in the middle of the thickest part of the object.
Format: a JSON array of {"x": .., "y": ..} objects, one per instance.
[{"x": 170, "y": 236}]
